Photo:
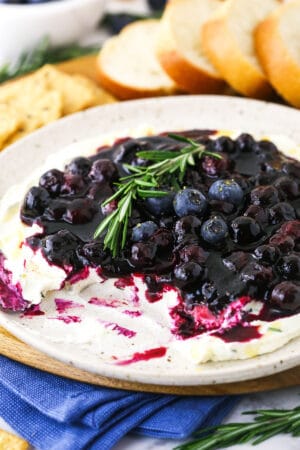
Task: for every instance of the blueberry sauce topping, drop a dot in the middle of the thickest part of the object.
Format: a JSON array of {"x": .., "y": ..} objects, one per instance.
[{"x": 230, "y": 230}]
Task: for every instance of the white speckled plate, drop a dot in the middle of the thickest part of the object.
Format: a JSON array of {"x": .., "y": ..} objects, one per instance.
[{"x": 62, "y": 341}]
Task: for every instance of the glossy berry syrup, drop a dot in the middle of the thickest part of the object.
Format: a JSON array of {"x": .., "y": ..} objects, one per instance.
[{"x": 229, "y": 231}]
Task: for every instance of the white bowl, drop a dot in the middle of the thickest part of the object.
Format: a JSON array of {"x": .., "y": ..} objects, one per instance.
[{"x": 64, "y": 21}]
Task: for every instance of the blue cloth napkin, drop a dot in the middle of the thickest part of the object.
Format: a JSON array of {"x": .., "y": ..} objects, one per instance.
[{"x": 55, "y": 413}]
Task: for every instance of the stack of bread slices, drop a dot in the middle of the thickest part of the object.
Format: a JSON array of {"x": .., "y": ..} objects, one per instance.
[{"x": 204, "y": 46}]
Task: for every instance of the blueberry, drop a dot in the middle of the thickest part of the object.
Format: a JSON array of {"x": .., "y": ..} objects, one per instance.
[
  {"x": 163, "y": 239},
  {"x": 143, "y": 254},
  {"x": 187, "y": 273},
  {"x": 187, "y": 225},
  {"x": 286, "y": 295},
  {"x": 213, "y": 166},
  {"x": 79, "y": 166},
  {"x": 282, "y": 212},
  {"x": 257, "y": 274},
  {"x": 245, "y": 230},
  {"x": 94, "y": 253},
  {"x": 160, "y": 206},
  {"x": 143, "y": 231},
  {"x": 284, "y": 243},
  {"x": 189, "y": 201},
  {"x": 35, "y": 202},
  {"x": 73, "y": 185},
  {"x": 245, "y": 143},
  {"x": 103, "y": 170},
  {"x": 257, "y": 213},
  {"x": 267, "y": 253},
  {"x": 236, "y": 261},
  {"x": 52, "y": 181},
  {"x": 194, "y": 253},
  {"x": 227, "y": 191},
  {"x": 287, "y": 187},
  {"x": 60, "y": 248},
  {"x": 265, "y": 196},
  {"x": 289, "y": 266},
  {"x": 80, "y": 211},
  {"x": 214, "y": 230},
  {"x": 222, "y": 144}
]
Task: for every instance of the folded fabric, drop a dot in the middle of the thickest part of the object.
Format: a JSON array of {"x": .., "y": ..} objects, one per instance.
[{"x": 56, "y": 413}]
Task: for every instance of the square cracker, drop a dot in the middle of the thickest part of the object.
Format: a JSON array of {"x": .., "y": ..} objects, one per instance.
[
  {"x": 9, "y": 441},
  {"x": 9, "y": 122},
  {"x": 76, "y": 95},
  {"x": 101, "y": 97}
]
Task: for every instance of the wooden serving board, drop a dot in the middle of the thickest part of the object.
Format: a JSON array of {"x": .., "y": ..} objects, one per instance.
[{"x": 19, "y": 351}]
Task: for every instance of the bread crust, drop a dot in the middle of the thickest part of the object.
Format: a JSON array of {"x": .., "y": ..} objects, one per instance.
[
  {"x": 127, "y": 91},
  {"x": 279, "y": 65},
  {"x": 223, "y": 51},
  {"x": 187, "y": 75}
]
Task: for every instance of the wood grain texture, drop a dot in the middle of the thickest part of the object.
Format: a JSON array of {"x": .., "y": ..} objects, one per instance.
[{"x": 21, "y": 352}]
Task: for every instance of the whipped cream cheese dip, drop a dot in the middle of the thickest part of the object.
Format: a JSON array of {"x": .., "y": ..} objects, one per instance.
[{"x": 115, "y": 314}]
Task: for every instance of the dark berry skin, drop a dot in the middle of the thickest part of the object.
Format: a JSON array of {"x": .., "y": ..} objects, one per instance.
[
  {"x": 256, "y": 273},
  {"x": 221, "y": 144},
  {"x": 194, "y": 253},
  {"x": 284, "y": 243},
  {"x": 258, "y": 213},
  {"x": 60, "y": 248},
  {"x": 265, "y": 196},
  {"x": 267, "y": 254},
  {"x": 245, "y": 230},
  {"x": 281, "y": 212},
  {"x": 80, "y": 211},
  {"x": 286, "y": 296},
  {"x": 187, "y": 273},
  {"x": 73, "y": 185},
  {"x": 214, "y": 231},
  {"x": 245, "y": 143},
  {"x": 213, "y": 166},
  {"x": 55, "y": 210},
  {"x": 227, "y": 191},
  {"x": 289, "y": 266},
  {"x": 103, "y": 170},
  {"x": 52, "y": 181},
  {"x": 187, "y": 225},
  {"x": 236, "y": 261},
  {"x": 160, "y": 206},
  {"x": 79, "y": 166},
  {"x": 287, "y": 187},
  {"x": 189, "y": 201},
  {"x": 36, "y": 201},
  {"x": 162, "y": 239},
  {"x": 93, "y": 253},
  {"x": 143, "y": 231},
  {"x": 142, "y": 254}
]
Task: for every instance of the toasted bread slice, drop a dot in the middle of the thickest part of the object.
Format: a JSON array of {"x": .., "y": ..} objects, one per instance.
[
  {"x": 179, "y": 48},
  {"x": 278, "y": 47},
  {"x": 228, "y": 40},
  {"x": 127, "y": 65}
]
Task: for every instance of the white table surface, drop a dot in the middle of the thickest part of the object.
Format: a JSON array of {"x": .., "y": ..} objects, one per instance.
[{"x": 287, "y": 398}]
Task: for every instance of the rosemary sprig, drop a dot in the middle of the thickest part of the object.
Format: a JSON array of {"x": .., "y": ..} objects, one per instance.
[
  {"x": 266, "y": 424},
  {"x": 143, "y": 183},
  {"x": 42, "y": 54}
]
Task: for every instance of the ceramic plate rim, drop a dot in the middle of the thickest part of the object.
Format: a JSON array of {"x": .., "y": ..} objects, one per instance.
[{"x": 270, "y": 117}]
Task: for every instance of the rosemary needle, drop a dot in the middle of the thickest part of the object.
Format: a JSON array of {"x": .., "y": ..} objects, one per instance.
[
  {"x": 142, "y": 183},
  {"x": 266, "y": 424}
]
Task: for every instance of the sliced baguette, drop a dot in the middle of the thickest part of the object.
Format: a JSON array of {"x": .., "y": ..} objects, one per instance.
[
  {"x": 127, "y": 65},
  {"x": 228, "y": 40},
  {"x": 278, "y": 47},
  {"x": 179, "y": 49}
]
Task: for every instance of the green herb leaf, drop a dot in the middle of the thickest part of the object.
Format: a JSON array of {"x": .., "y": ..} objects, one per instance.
[
  {"x": 266, "y": 424},
  {"x": 42, "y": 54},
  {"x": 134, "y": 186}
]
